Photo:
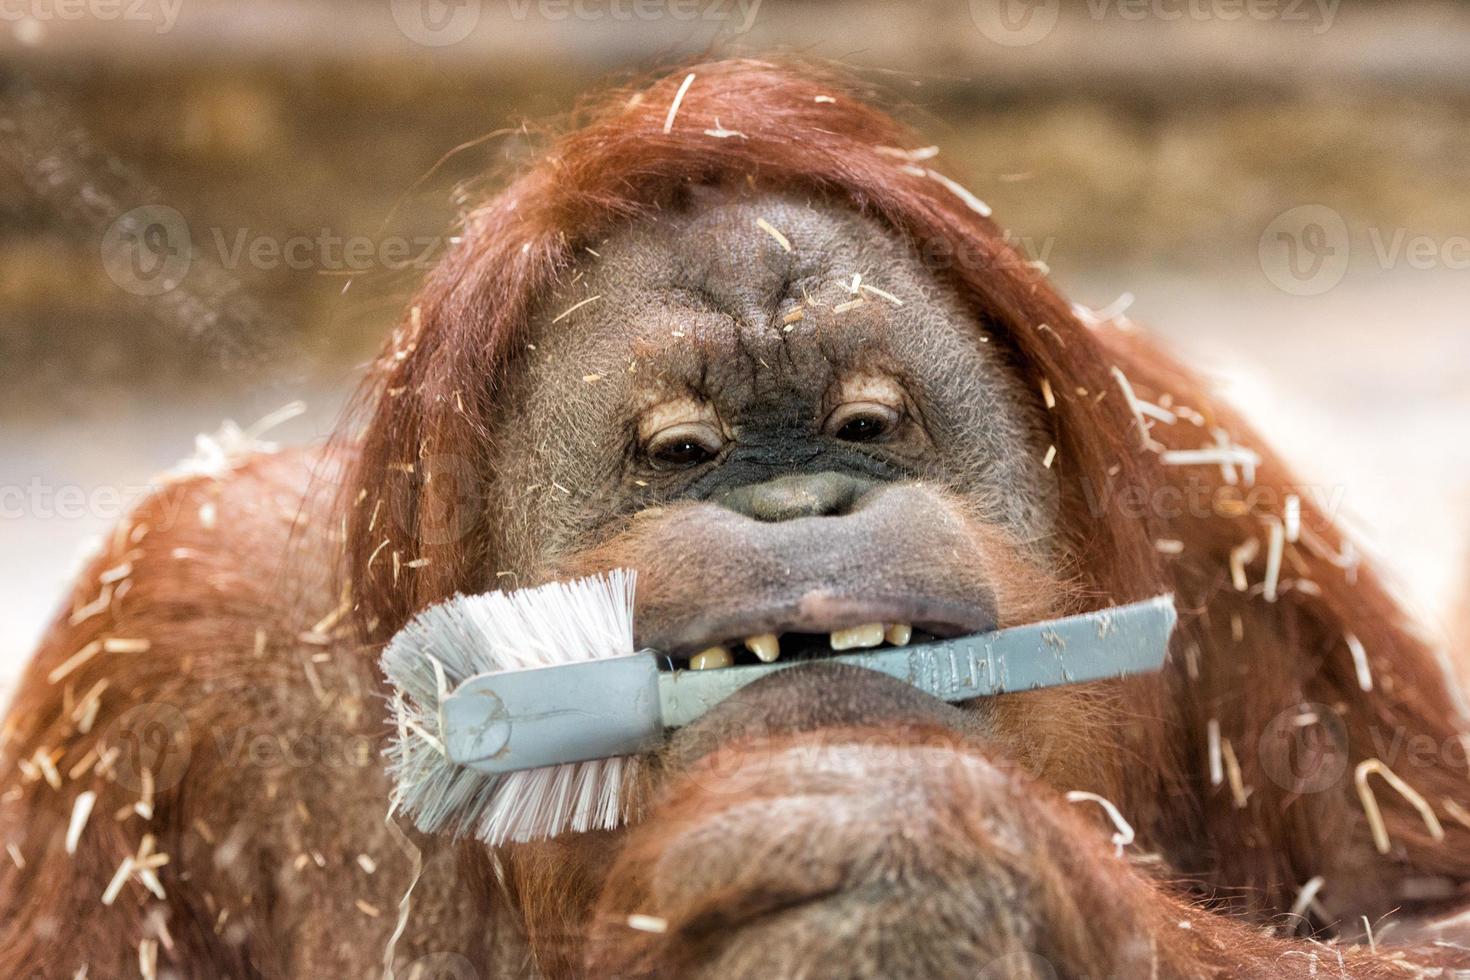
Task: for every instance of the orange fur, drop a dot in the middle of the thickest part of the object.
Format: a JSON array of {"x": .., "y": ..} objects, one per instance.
[{"x": 1240, "y": 661}]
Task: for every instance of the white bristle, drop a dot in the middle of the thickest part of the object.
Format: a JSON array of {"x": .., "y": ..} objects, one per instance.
[{"x": 445, "y": 645}]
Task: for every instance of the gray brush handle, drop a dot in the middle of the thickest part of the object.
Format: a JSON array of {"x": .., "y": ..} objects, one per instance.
[{"x": 592, "y": 709}]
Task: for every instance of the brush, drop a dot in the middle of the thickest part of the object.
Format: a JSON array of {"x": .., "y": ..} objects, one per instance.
[{"x": 519, "y": 714}]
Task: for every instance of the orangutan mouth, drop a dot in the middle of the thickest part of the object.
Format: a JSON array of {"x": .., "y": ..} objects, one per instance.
[
  {"x": 769, "y": 647},
  {"x": 819, "y": 624}
]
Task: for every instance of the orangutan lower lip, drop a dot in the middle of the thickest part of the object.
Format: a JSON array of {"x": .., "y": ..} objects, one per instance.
[{"x": 850, "y": 623}]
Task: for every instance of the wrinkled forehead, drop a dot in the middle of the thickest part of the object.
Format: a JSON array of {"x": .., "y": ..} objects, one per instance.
[{"x": 761, "y": 284}]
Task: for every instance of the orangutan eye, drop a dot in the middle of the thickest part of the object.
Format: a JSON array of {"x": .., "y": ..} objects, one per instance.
[
  {"x": 861, "y": 422},
  {"x": 684, "y": 445}
]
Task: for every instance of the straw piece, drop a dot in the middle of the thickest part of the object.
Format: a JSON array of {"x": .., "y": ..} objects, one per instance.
[
  {"x": 574, "y": 308},
  {"x": 1240, "y": 556},
  {"x": 81, "y": 811},
  {"x": 648, "y": 923},
  {"x": 1273, "y": 559},
  {"x": 1135, "y": 408},
  {"x": 1125, "y": 834},
  {"x": 721, "y": 133},
  {"x": 119, "y": 878},
  {"x": 1217, "y": 455},
  {"x": 1217, "y": 765},
  {"x": 771, "y": 230},
  {"x": 881, "y": 292},
  {"x": 971, "y": 201},
  {"x": 913, "y": 156},
  {"x": 148, "y": 958},
  {"x": 1360, "y": 660},
  {"x": 96, "y": 607},
  {"x": 1370, "y": 803},
  {"x": 1458, "y": 812},
  {"x": 1233, "y": 775},
  {"x": 678, "y": 100},
  {"x": 1307, "y": 896},
  {"x": 74, "y": 661}
]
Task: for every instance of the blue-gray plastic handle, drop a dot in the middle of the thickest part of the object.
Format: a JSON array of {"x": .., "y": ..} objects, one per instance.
[{"x": 593, "y": 709}]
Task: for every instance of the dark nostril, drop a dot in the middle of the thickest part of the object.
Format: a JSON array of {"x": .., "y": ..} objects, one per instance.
[{"x": 804, "y": 495}]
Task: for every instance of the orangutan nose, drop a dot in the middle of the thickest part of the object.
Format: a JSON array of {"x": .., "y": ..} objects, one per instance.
[{"x": 802, "y": 495}]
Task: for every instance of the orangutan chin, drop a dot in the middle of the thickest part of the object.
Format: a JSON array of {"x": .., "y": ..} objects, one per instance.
[{"x": 736, "y": 335}]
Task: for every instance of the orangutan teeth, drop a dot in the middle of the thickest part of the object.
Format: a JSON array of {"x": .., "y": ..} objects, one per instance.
[
  {"x": 856, "y": 637},
  {"x": 711, "y": 658},
  {"x": 766, "y": 646}
]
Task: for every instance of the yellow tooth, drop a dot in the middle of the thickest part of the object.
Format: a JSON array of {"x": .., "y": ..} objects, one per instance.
[
  {"x": 766, "y": 646},
  {"x": 898, "y": 634},
  {"x": 710, "y": 659},
  {"x": 855, "y": 637}
]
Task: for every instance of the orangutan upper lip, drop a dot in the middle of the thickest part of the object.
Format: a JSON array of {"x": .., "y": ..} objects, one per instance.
[{"x": 846, "y": 618}]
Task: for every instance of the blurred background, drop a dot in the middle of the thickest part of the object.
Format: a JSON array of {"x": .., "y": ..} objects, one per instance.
[{"x": 209, "y": 210}]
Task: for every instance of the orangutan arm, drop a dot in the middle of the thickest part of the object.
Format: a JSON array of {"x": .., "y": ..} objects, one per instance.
[
  {"x": 1004, "y": 878},
  {"x": 1102, "y": 914},
  {"x": 175, "y": 691}
]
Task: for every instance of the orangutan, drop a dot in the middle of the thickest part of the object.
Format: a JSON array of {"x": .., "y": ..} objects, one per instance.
[{"x": 735, "y": 333}]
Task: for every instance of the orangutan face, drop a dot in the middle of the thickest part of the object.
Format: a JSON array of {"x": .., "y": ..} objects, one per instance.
[
  {"x": 773, "y": 411},
  {"x": 802, "y": 442}
]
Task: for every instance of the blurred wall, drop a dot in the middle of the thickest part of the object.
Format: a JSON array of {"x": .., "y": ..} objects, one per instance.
[{"x": 1280, "y": 186}]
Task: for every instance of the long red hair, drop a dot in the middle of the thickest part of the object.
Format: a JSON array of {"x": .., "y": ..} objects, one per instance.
[{"x": 1246, "y": 662}]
